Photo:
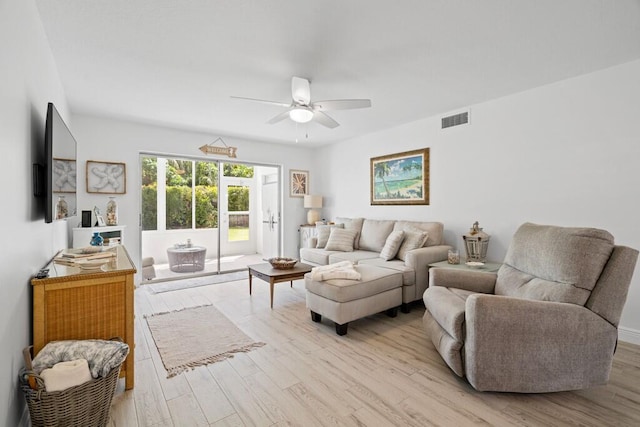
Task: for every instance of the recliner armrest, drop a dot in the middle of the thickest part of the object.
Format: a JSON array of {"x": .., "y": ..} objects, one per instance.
[
  {"x": 474, "y": 281},
  {"x": 529, "y": 346}
]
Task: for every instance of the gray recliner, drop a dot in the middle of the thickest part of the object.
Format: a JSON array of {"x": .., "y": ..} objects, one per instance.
[{"x": 546, "y": 321}]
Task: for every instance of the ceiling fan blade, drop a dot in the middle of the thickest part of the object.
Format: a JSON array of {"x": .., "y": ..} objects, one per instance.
[
  {"x": 262, "y": 101},
  {"x": 341, "y": 104},
  {"x": 300, "y": 90},
  {"x": 280, "y": 117},
  {"x": 325, "y": 120}
]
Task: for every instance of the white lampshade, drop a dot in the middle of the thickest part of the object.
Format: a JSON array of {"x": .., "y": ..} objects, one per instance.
[
  {"x": 301, "y": 114},
  {"x": 312, "y": 201}
]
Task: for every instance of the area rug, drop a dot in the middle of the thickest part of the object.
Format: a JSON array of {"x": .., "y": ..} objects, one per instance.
[
  {"x": 194, "y": 282},
  {"x": 195, "y": 337}
]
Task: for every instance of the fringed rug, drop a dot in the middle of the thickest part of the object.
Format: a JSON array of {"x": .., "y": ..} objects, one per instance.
[
  {"x": 196, "y": 336},
  {"x": 194, "y": 282}
]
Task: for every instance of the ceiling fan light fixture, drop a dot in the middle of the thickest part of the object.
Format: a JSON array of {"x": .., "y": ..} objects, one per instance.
[{"x": 301, "y": 114}]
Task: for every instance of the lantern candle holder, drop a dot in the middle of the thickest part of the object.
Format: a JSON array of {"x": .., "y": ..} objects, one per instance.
[{"x": 476, "y": 243}]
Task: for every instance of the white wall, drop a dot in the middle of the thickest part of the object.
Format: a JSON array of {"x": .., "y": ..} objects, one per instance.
[
  {"x": 564, "y": 154},
  {"x": 28, "y": 80},
  {"x": 119, "y": 141}
]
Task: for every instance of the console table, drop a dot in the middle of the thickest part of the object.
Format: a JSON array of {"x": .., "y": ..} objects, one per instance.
[{"x": 76, "y": 304}]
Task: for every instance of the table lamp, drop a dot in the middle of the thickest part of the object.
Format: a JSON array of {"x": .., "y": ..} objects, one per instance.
[{"x": 312, "y": 202}]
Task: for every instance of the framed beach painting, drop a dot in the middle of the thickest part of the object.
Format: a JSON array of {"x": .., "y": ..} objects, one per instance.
[
  {"x": 400, "y": 179},
  {"x": 298, "y": 183}
]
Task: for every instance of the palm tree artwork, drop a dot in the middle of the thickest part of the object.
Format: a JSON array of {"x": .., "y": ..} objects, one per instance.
[
  {"x": 400, "y": 178},
  {"x": 382, "y": 169}
]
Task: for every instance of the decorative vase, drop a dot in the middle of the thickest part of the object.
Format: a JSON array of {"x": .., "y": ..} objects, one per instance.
[
  {"x": 96, "y": 240},
  {"x": 62, "y": 209},
  {"x": 112, "y": 212}
]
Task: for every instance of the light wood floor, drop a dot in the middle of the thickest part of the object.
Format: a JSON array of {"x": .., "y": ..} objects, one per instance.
[{"x": 383, "y": 372}]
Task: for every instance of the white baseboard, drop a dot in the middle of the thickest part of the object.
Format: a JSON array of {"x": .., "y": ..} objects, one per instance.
[
  {"x": 25, "y": 420},
  {"x": 629, "y": 335}
]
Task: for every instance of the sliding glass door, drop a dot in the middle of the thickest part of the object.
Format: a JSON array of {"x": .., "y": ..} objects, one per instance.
[{"x": 201, "y": 216}]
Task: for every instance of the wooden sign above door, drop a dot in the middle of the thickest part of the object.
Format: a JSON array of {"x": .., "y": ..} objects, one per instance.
[{"x": 223, "y": 150}]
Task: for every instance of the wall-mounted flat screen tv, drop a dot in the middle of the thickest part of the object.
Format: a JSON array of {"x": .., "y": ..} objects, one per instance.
[{"x": 60, "y": 168}]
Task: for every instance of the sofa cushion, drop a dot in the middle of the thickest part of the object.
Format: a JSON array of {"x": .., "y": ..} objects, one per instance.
[
  {"x": 408, "y": 273},
  {"x": 355, "y": 257},
  {"x": 435, "y": 230},
  {"x": 374, "y": 280},
  {"x": 341, "y": 240},
  {"x": 392, "y": 245},
  {"x": 567, "y": 264},
  {"x": 414, "y": 238},
  {"x": 374, "y": 234},
  {"x": 352, "y": 224},
  {"x": 323, "y": 232}
]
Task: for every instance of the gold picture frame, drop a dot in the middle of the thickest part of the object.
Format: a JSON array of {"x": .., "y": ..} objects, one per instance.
[
  {"x": 106, "y": 177},
  {"x": 401, "y": 178},
  {"x": 298, "y": 183}
]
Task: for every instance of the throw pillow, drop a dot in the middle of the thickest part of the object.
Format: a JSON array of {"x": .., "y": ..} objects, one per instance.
[
  {"x": 341, "y": 240},
  {"x": 352, "y": 224},
  {"x": 414, "y": 238},
  {"x": 323, "y": 234},
  {"x": 374, "y": 234},
  {"x": 392, "y": 245}
]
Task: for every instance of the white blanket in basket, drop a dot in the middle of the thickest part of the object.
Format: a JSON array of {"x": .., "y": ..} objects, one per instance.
[{"x": 66, "y": 374}]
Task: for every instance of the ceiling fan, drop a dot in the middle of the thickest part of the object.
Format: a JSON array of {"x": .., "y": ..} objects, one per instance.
[{"x": 302, "y": 110}]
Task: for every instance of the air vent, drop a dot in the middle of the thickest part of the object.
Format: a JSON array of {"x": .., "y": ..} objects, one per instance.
[{"x": 455, "y": 120}]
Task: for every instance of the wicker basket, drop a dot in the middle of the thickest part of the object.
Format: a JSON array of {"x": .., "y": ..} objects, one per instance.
[
  {"x": 87, "y": 404},
  {"x": 282, "y": 263}
]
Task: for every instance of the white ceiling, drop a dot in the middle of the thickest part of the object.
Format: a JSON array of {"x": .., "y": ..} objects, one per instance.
[{"x": 177, "y": 62}]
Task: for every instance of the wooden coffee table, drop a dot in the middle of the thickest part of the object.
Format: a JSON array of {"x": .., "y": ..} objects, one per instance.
[{"x": 273, "y": 276}]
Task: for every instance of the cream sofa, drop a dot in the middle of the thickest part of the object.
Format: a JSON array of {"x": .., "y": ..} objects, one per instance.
[{"x": 370, "y": 238}]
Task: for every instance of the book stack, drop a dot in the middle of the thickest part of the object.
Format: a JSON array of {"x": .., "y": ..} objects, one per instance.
[
  {"x": 112, "y": 241},
  {"x": 84, "y": 260}
]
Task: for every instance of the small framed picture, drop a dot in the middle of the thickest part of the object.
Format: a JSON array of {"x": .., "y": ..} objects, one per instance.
[
  {"x": 298, "y": 183},
  {"x": 106, "y": 177},
  {"x": 100, "y": 221}
]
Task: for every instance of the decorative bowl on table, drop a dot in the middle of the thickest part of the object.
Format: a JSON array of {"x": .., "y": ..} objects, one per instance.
[{"x": 282, "y": 263}]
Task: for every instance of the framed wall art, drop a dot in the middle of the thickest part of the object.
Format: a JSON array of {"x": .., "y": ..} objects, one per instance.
[
  {"x": 64, "y": 176},
  {"x": 106, "y": 177},
  {"x": 298, "y": 183},
  {"x": 400, "y": 179}
]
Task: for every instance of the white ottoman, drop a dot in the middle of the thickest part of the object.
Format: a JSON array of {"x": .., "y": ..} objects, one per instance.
[{"x": 343, "y": 301}]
